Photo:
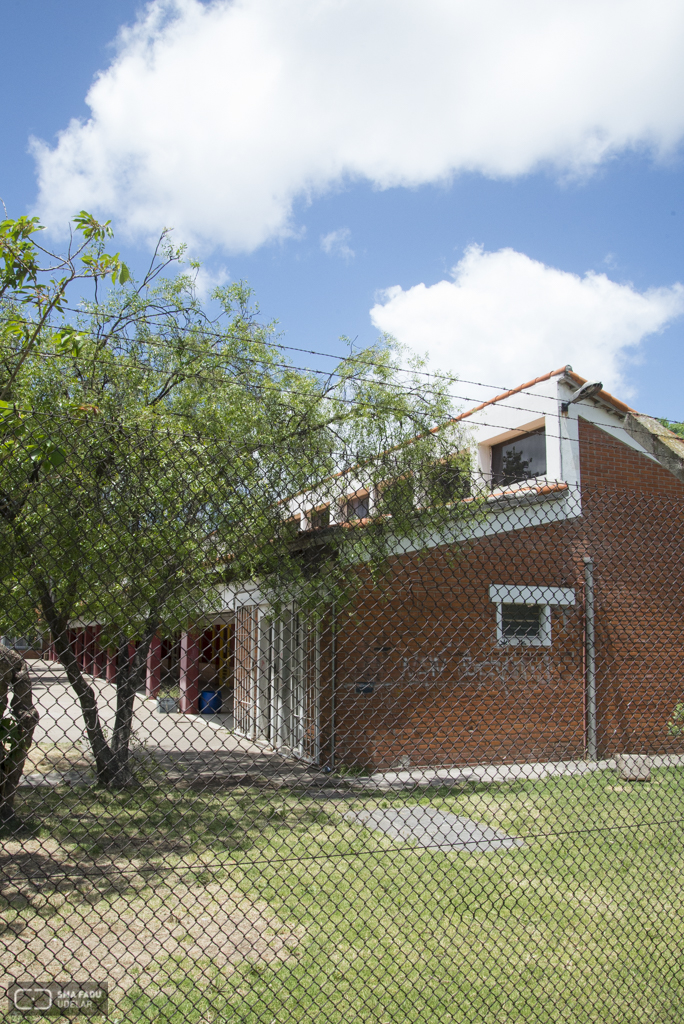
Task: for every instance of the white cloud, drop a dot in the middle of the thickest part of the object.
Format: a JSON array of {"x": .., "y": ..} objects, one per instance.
[
  {"x": 214, "y": 117},
  {"x": 505, "y": 318},
  {"x": 206, "y": 281},
  {"x": 335, "y": 243}
]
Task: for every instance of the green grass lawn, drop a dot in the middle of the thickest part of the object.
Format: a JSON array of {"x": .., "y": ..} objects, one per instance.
[{"x": 582, "y": 923}]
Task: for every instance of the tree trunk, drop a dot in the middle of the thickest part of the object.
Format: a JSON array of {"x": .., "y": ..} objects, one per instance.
[
  {"x": 14, "y": 676},
  {"x": 112, "y": 762},
  {"x": 104, "y": 767},
  {"x": 129, "y": 678}
]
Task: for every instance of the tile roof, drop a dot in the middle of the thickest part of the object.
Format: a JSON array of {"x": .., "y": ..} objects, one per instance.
[{"x": 563, "y": 370}]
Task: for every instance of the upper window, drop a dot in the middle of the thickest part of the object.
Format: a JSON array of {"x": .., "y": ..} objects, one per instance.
[
  {"x": 521, "y": 458},
  {"x": 292, "y": 527},
  {"x": 355, "y": 508},
  {"x": 320, "y": 518}
]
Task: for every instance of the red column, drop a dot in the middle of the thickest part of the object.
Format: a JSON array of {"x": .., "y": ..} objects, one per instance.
[
  {"x": 97, "y": 651},
  {"x": 88, "y": 644},
  {"x": 189, "y": 673},
  {"x": 111, "y": 666},
  {"x": 78, "y": 649},
  {"x": 154, "y": 662}
]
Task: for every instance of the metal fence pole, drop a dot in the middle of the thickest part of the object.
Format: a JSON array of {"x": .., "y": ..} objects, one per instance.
[
  {"x": 590, "y": 652},
  {"x": 333, "y": 673}
]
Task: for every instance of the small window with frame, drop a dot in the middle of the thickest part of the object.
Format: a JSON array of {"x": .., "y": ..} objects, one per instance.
[
  {"x": 523, "y": 612},
  {"x": 523, "y": 625}
]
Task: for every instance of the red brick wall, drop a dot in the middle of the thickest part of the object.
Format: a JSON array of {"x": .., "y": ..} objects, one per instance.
[
  {"x": 634, "y": 512},
  {"x": 446, "y": 693},
  {"x": 607, "y": 464}
]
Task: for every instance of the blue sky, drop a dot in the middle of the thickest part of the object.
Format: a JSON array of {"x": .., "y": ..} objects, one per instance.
[{"x": 331, "y": 157}]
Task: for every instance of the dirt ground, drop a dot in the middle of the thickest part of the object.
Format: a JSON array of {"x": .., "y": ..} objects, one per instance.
[{"x": 67, "y": 918}]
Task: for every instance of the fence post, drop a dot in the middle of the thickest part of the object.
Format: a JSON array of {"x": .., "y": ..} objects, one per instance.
[
  {"x": 333, "y": 682},
  {"x": 590, "y": 655},
  {"x": 189, "y": 673}
]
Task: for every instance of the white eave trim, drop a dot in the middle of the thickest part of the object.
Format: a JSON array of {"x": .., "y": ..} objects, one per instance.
[{"x": 505, "y": 593}]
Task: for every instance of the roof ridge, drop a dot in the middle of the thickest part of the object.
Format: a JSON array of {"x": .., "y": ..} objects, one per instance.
[{"x": 512, "y": 391}]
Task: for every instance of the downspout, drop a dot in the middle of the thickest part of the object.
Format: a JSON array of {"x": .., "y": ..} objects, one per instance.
[
  {"x": 590, "y": 657},
  {"x": 333, "y": 674}
]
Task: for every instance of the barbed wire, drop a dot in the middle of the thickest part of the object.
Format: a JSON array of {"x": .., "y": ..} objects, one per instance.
[{"x": 203, "y": 376}]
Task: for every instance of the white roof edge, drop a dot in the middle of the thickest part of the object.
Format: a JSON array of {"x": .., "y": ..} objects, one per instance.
[{"x": 509, "y": 593}]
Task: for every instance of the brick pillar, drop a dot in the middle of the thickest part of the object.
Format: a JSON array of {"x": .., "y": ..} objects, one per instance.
[
  {"x": 154, "y": 664},
  {"x": 189, "y": 673}
]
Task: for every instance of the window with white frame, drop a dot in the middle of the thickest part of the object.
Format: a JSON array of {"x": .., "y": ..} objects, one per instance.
[
  {"x": 523, "y": 614},
  {"x": 356, "y": 507},
  {"x": 520, "y": 458}
]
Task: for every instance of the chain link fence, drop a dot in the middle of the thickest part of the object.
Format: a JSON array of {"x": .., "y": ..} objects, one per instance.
[{"x": 399, "y": 746}]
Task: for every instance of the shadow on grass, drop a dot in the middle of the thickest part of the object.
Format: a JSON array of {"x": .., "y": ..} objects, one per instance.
[{"x": 94, "y": 843}]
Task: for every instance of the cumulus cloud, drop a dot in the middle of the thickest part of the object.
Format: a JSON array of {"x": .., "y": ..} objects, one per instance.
[
  {"x": 214, "y": 117},
  {"x": 504, "y": 318},
  {"x": 335, "y": 243}
]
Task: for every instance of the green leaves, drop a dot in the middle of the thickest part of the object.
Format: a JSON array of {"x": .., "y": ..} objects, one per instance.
[
  {"x": 675, "y": 727},
  {"x": 34, "y": 293},
  {"x": 69, "y": 341},
  {"x": 147, "y": 446},
  {"x": 123, "y": 274},
  {"x": 8, "y": 411},
  {"x": 18, "y": 258},
  {"x": 92, "y": 229}
]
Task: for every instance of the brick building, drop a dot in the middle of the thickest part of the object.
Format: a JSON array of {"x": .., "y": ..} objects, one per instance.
[{"x": 477, "y": 648}]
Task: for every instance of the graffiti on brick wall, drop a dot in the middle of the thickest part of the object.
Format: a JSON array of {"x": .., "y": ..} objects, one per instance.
[
  {"x": 425, "y": 668},
  {"x": 504, "y": 669},
  {"x": 498, "y": 670}
]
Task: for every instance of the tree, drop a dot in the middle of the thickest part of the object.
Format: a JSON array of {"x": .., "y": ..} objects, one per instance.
[
  {"x": 151, "y": 451},
  {"x": 18, "y": 719},
  {"x": 674, "y": 425}
]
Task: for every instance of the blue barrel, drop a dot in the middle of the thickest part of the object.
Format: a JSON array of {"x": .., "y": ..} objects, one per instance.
[{"x": 209, "y": 702}]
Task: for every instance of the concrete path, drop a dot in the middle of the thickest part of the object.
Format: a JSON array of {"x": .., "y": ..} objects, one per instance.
[
  {"x": 206, "y": 749},
  {"x": 195, "y": 750},
  {"x": 433, "y": 829}
]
